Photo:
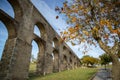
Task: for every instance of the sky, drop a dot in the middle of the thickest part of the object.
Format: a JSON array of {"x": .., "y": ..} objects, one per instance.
[{"x": 47, "y": 9}]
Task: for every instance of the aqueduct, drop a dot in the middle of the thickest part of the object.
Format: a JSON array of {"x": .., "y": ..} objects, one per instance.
[{"x": 15, "y": 61}]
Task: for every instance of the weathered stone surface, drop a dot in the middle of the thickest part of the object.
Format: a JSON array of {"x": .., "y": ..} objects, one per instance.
[{"x": 15, "y": 61}]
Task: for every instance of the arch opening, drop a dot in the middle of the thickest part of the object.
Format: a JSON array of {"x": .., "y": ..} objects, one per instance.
[
  {"x": 38, "y": 50},
  {"x": 3, "y": 37},
  {"x": 41, "y": 32},
  {"x": 64, "y": 47},
  {"x": 70, "y": 53},
  {"x": 55, "y": 54},
  {"x": 65, "y": 59},
  {"x": 55, "y": 42},
  {"x": 71, "y": 61},
  {"x": 37, "y": 31},
  {"x": 33, "y": 59},
  {"x": 7, "y": 7}
]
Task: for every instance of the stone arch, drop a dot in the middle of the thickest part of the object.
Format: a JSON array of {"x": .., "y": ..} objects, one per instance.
[
  {"x": 71, "y": 60},
  {"x": 64, "y": 48},
  {"x": 33, "y": 59},
  {"x": 70, "y": 53},
  {"x": 55, "y": 42},
  {"x": 41, "y": 53},
  {"x": 10, "y": 44},
  {"x": 9, "y": 24},
  {"x": 65, "y": 58},
  {"x": 5, "y": 5},
  {"x": 42, "y": 30},
  {"x": 75, "y": 64},
  {"x": 65, "y": 62},
  {"x": 17, "y": 8}
]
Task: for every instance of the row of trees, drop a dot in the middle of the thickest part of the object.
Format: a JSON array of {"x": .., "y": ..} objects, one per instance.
[{"x": 89, "y": 61}]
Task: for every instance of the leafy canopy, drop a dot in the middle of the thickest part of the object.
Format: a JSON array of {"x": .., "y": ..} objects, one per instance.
[
  {"x": 89, "y": 60},
  {"x": 105, "y": 59},
  {"x": 91, "y": 21}
]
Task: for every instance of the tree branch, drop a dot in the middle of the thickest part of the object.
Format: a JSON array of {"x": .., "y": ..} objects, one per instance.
[
  {"x": 116, "y": 46},
  {"x": 103, "y": 46}
]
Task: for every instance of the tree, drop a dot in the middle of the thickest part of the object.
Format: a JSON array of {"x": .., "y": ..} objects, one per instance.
[
  {"x": 105, "y": 59},
  {"x": 87, "y": 60},
  {"x": 94, "y": 21}
]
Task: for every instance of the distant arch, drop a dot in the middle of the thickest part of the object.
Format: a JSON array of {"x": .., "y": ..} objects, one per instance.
[
  {"x": 64, "y": 59},
  {"x": 55, "y": 42},
  {"x": 55, "y": 53},
  {"x": 64, "y": 48},
  {"x": 71, "y": 60},
  {"x": 70, "y": 53}
]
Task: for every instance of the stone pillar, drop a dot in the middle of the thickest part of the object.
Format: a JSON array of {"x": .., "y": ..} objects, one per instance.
[
  {"x": 48, "y": 68},
  {"x": 60, "y": 57},
  {"x": 15, "y": 60},
  {"x": 48, "y": 65}
]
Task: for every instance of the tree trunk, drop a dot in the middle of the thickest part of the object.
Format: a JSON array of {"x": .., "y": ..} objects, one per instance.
[
  {"x": 116, "y": 71},
  {"x": 105, "y": 66}
]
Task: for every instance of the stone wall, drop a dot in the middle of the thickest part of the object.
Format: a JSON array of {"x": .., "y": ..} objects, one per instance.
[{"x": 15, "y": 61}]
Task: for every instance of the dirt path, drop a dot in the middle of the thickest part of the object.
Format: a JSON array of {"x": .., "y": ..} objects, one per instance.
[{"x": 103, "y": 74}]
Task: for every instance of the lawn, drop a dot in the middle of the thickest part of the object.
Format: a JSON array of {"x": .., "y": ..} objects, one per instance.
[
  {"x": 76, "y": 74},
  {"x": 32, "y": 67}
]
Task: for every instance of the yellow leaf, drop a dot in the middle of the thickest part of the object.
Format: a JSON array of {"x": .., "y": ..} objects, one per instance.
[
  {"x": 95, "y": 28},
  {"x": 65, "y": 32},
  {"x": 114, "y": 31},
  {"x": 71, "y": 37},
  {"x": 71, "y": 29},
  {"x": 80, "y": 7},
  {"x": 86, "y": 32},
  {"x": 74, "y": 19}
]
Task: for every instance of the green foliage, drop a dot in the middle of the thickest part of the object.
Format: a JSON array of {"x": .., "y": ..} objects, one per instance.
[
  {"x": 105, "y": 59},
  {"x": 76, "y": 74},
  {"x": 87, "y": 60}
]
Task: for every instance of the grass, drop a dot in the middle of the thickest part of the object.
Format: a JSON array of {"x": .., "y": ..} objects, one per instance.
[
  {"x": 32, "y": 67},
  {"x": 76, "y": 74}
]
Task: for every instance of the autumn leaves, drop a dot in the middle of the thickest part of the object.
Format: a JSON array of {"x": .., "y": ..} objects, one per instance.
[{"x": 90, "y": 20}]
